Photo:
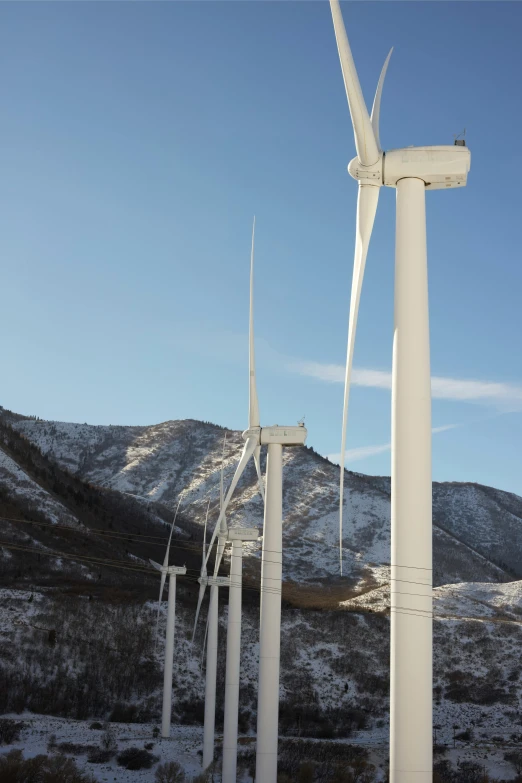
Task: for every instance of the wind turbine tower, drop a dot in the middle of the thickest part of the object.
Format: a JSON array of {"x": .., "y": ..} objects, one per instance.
[
  {"x": 275, "y": 438},
  {"x": 411, "y": 171},
  {"x": 171, "y": 572},
  {"x": 214, "y": 582},
  {"x": 237, "y": 536}
]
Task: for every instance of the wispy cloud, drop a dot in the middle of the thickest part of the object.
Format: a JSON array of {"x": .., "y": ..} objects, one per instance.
[
  {"x": 362, "y": 452},
  {"x": 503, "y": 395}
]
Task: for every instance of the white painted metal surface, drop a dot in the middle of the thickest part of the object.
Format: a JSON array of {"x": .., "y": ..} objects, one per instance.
[
  {"x": 411, "y": 737},
  {"x": 365, "y": 143},
  {"x": 169, "y": 651},
  {"x": 232, "y": 677},
  {"x": 412, "y": 170},
  {"x": 268, "y": 708},
  {"x": 210, "y": 680},
  {"x": 252, "y": 434},
  {"x": 233, "y": 665},
  {"x": 438, "y": 167},
  {"x": 169, "y": 658},
  {"x": 286, "y": 436},
  {"x": 270, "y": 624},
  {"x": 368, "y": 197},
  {"x": 209, "y": 725}
]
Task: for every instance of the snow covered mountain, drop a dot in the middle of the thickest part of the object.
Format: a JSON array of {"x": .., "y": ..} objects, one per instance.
[
  {"x": 100, "y": 498},
  {"x": 477, "y": 530}
]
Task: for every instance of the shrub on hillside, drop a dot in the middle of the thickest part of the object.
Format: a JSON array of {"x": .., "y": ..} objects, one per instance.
[
  {"x": 136, "y": 758},
  {"x": 515, "y": 758},
  {"x": 44, "y": 769},
  {"x": 306, "y": 772},
  {"x": 75, "y": 748},
  {"x": 108, "y": 740},
  {"x": 100, "y": 756},
  {"x": 10, "y": 730},
  {"x": 325, "y": 759},
  {"x": 96, "y": 725},
  {"x": 466, "y": 772},
  {"x": 111, "y": 647},
  {"x": 169, "y": 772},
  {"x": 123, "y": 713}
]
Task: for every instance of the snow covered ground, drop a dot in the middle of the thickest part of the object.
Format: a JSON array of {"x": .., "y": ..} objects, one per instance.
[
  {"x": 17, "y": 483},
  {"x": 182, "y": 747},
  {"x": 467, "y": 600},
  {"x": 185, "y": 745}
]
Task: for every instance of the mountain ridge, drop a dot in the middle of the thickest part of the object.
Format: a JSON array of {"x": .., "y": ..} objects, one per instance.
[{"x": 477, "y": 529}]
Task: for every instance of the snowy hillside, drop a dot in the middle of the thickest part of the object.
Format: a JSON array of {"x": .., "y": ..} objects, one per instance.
[
  {"x": 334, "y": 669},
  {"x": 477, "y": 530},
  {"x": 16, "y": 483},
  {"x": 100, "y": 497}
]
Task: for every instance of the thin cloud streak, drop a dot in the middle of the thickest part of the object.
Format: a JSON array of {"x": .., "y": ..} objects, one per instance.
[
  {"x": 505, "y": 395},
  {"x": 362, "y": 452}
]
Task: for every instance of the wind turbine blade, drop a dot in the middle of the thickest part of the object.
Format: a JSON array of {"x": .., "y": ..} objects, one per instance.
[
  {"x": 253, "y": 404},
  {"x": 203, "y": 649},
  {"x": 203, "y": 559},
  {"x": 221, "y": 495},
  {"x": 203, "y": 572},
  {"x": 366, "y": 208},
  {"x": 257, "y": 460},
  {"x": 248, "y": 450},
  {"x": 223, "y": 532},
  {"x": 165, "y": 565},
  {"x": 166, "y": 560},
  {"x": 156, "y": 565},
  {"x": 198, "y": 609},
  {"x": 376, "y": 108},
  {"x": 162, "y": 585},
  {"x": 365, "y": 142}
]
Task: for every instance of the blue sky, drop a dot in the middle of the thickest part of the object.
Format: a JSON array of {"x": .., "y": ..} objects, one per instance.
[{"x": 138, "y": 141}]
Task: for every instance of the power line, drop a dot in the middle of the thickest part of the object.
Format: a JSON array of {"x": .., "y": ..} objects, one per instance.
[
  {"x": 193, "y": 549},
  {"x": 116, "y": 564},
  {"x": 137, "y": 537},
  {"x": 407, "y": 611}
]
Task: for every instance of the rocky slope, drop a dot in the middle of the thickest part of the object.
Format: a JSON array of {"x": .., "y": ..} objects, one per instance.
[
  {"x": 82, "y": 508},
  {"x": 477, "y": 529}
]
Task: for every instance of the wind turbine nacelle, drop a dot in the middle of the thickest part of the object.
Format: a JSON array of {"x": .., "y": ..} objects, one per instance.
[
  {"x": 286, "y": 436},
  {"x": 243, "y": 534},
  {"x": 440, "y": 167}
]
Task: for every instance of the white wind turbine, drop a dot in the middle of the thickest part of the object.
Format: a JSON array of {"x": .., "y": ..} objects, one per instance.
[
  {"x": 215, "y": 582},
  {"x": 237, "y": 536},
  {"x": 411, "y": 171},
  {"x": 271, "y": 559},
  {"x": 171, "y": 572}
]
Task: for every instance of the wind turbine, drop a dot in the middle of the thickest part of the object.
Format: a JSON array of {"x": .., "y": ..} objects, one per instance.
[
  {"x": 237, "y": 536},
  {"x": 215, "y": 583},
  {"x": 171, "y": 572},
  {"x": 411, "y": 171},
  {"x": 271, "y": 559}
]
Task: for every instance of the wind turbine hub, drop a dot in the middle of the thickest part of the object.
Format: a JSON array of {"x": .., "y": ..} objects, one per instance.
[
  {"x": 252, "y": 432},
  {"x": 366, "y": 175}
]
